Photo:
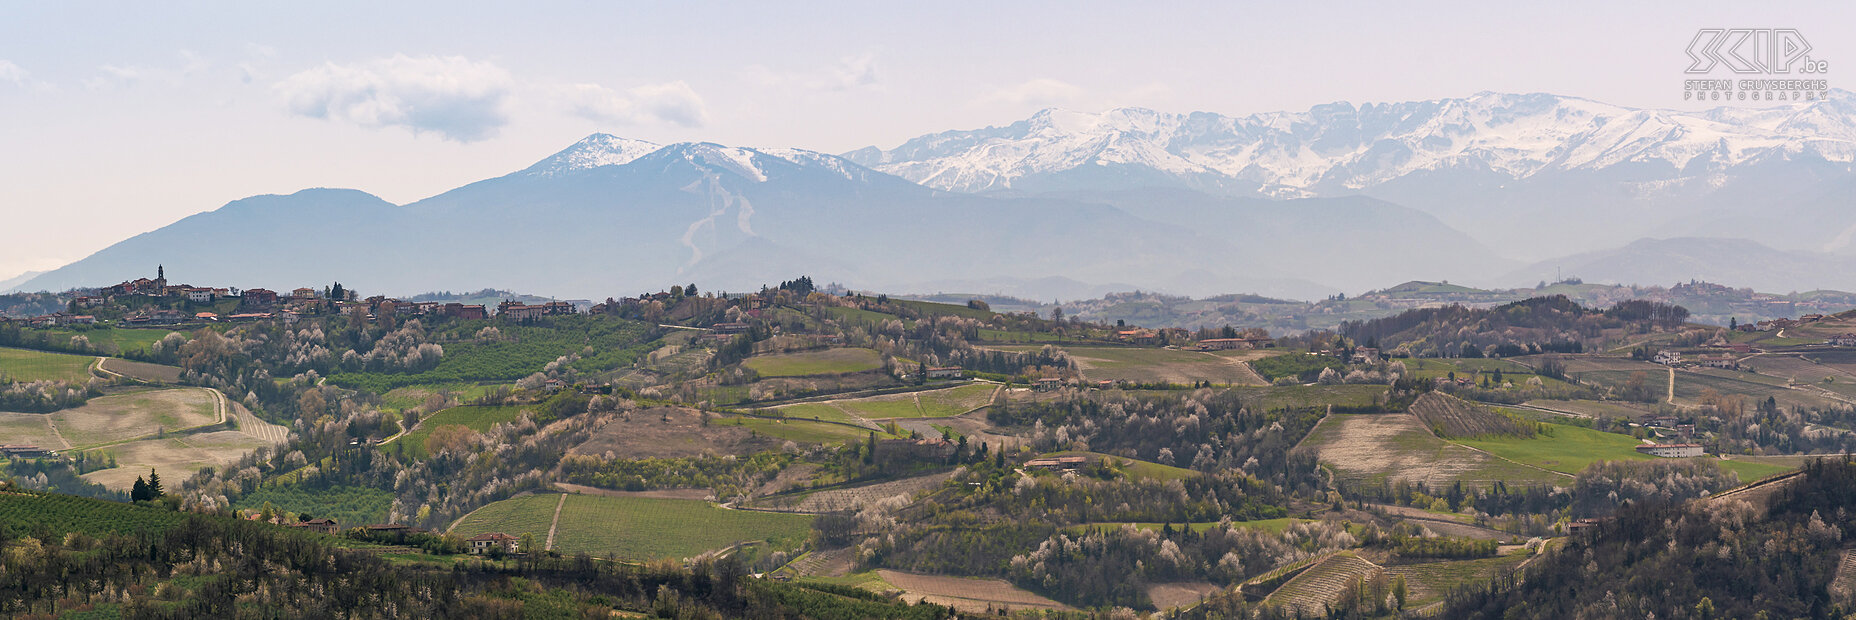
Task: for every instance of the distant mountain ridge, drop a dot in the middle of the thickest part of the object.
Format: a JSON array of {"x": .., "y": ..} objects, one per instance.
[
  {"x": 1529, "y": 173},
  {"x": 609, "y": 216},
  {"x": 1339, "y": 147},
  {"x": 1301, "y": 205}
]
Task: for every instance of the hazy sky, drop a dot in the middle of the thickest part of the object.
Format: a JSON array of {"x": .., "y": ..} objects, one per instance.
[{"x": 119, "y": 118}]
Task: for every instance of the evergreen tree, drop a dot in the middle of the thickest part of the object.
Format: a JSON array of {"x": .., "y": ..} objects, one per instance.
[
  {"x": 139, "y": 492},
  {"x": 154, "y": 485}
]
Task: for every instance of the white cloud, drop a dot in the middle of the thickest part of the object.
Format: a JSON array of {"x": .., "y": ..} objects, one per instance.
[
  {"x": 115, "y": 76},
  {"x": 460, "y": 99},
  {"x": 10, "y": 72},
  {"x": 1041, "y": 91},
  {"x": 671, "y": 102},
  {"x": 848, "y": 73},
  {"x": 256, "y": 56}
]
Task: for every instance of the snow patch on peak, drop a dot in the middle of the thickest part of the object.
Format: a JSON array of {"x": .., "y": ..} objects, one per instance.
[
  {"x": 814, "y": 159},
  {"x": 734, "y": 159},
  {"x": 1342, "y": 148},
  {"x": 592, "y": 152}
]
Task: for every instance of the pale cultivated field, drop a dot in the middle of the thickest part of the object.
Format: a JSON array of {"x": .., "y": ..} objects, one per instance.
[
  {"x": 967, "y": 594},
  {"x": 123, "y": 417},
  {"x": 854, "y": 497},
  {"x": 1168, "y": 365},
  {"x": 28, "y": 428},
  {"x": 156, "y": 373},
  {"x": 1182, "y": 594},
  {"x": 175, "y": 458},
  {"x": 1396, "y": 446}
]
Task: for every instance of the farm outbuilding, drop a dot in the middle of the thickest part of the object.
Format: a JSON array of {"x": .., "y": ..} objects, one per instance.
[{"x": 1672, "y": 450}]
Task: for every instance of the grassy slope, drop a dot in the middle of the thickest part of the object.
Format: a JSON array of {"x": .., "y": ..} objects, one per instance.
[
  {"x": 1134, "y": 467},
  {"x": 802, "y": 431},
  {"x": 829, "y": 361},
  {"x": 1277, "y": 397},
  {"x": 1571, "y": 449},
  {"x": 475, "y": 417},
  {"x": 28, "y": 365},
  {"x": 1567, "y": 449}
]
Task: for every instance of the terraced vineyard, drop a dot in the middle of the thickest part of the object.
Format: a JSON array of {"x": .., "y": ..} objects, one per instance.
[
  {"x": 1428, "y": 582},
  {"x": 1321, "y": 585}
]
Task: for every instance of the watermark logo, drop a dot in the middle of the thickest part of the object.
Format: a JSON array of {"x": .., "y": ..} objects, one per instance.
[{"x": 1754, "y": 51}]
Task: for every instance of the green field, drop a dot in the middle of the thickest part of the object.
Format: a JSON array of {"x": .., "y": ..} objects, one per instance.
[
  {"x": 26, "y": 514},
  {"x": 1135, "y": 468},
  {"x": 1753, "y": 470},
  {"x": 644, "y": 528},
  {"x": 28, "y": 365},
  {"x": 826, "y": 362},
  {"x": 348, "y": 506},
  {"x": 816, "y": 411},
  {"x": 857, "y": 315},
  {"x": 1566, "y": 449},
  {"x": 884, "y": 408},
  {"x": 955, "y": 401},
  {"x": 1375, "y": 447},
  {"x": 529, "y": 514},
  {"x": 635, "y": 528},
  {"x": 801, "y": 431},
  {"x": 401, "y": 399},
  {"x": 1300, "y": 396},
  {"x": 116, "y": 340},
  {"x": 521, "y": 351},
  {"x": 475, "y": 417}
]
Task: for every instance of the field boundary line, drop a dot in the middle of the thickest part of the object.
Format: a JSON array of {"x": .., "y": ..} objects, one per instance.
[
  {"x": 1432, "y": 433},
  {"x": 49, "y": 424},
  {"x": 556, "y": 524}
]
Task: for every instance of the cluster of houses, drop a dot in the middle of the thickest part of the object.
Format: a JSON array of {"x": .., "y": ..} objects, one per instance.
[
  {"x": 518, "y": 311},
  {"x": 1725, "y": 361},
  {"x": 257, "y": 304}
]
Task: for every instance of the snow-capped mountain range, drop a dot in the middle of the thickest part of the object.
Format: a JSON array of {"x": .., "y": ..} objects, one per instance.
[
  {"x": 1492, "y": 190},
  {"x": 1342, "y": 148}
]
